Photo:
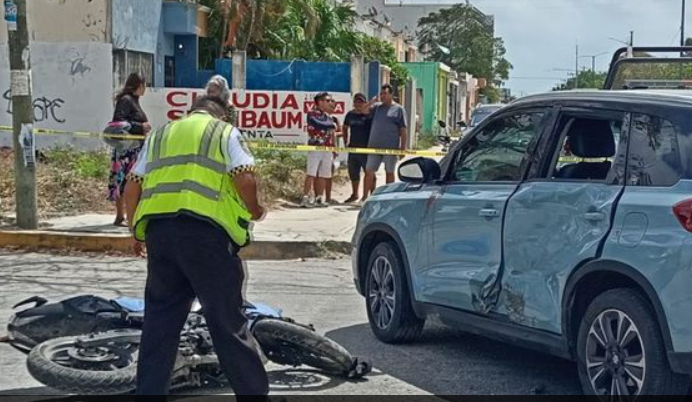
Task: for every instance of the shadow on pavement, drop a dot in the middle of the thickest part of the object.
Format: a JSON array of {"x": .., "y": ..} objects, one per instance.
[
  {"x": 104, "y": 229},
  {"x": 34, "y": 391},
  {"x": 448, "y": 362}
]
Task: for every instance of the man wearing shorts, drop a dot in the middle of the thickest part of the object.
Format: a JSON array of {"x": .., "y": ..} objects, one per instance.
[
  {"x": 357, "y": 135},
  {"x": 388, "y": 132},
  {"x": 321, "y": 128}
]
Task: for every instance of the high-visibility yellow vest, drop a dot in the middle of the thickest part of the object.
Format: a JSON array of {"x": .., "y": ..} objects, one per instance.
[{"x": 186, "y": 173}]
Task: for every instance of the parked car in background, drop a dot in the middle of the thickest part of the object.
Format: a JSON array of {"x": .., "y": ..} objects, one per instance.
[
  {"x": 562, "y": 223},
  {"x": 481, "y": 113}
]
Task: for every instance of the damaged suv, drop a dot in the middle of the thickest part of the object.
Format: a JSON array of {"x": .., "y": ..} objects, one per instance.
[{"x": 561, "y": 223}]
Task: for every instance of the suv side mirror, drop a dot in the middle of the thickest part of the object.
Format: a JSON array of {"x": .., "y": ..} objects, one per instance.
[
  {"x": 419, "y": 171},
  {"x": 462, "y": 124}
]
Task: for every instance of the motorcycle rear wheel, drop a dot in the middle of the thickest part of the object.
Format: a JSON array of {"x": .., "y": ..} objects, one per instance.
[
  {"x": 61, "y": 364},
  {"x": 294, "y": 345}
]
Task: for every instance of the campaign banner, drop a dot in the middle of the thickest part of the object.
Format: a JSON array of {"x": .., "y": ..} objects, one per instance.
[{"x": 276, "y": 116}]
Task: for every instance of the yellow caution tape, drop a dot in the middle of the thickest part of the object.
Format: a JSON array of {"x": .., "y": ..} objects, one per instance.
[
  {"x": 290, "y": 147},
  {"x": 84, "y": 134},
  {"x": 259, "y": 145},
  {"x": 366, "y": 151}
]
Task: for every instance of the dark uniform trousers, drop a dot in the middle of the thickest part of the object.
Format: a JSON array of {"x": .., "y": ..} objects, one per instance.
[{"x": 190, "y": 257}]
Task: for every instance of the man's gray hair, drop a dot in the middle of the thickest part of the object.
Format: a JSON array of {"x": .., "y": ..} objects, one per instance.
[{"x": 218, "y": 87}]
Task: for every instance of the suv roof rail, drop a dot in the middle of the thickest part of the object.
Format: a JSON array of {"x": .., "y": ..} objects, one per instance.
[{"x": 630, "y": 54}]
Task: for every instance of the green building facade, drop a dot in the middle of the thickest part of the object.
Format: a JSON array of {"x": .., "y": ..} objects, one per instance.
[{"x": 432, "y": 82}]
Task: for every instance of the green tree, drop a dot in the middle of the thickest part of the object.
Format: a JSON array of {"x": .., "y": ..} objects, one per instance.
[
  {"x": 210, "y": 48},
  {"x": 374, "y": 49},
  {"x": 462, "y": 37},
  {"x": 311, "y": 30},
  {"x": 587, "y": 79}
]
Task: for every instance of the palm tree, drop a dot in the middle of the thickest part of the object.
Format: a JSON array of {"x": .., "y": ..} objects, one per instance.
[{"x": 313, "y": 30}]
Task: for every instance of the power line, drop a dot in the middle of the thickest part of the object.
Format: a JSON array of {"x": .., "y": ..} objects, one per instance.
[
  {"x": 537, "y": 78},
  {"x": 675, "y": 37}
]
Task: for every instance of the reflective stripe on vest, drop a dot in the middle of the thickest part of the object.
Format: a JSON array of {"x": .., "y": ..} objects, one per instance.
[
  {"x": 185, "y": 159},
  {"x": 187, "y": 172},
  {"x": 186, "y": 185}
]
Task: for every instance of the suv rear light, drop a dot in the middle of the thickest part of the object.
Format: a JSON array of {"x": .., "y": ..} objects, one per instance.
[{"x": 683, "y": 211}]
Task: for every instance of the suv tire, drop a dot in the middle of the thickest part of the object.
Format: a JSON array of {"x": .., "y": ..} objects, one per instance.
[
  {"x": 620, "y": 341},
  {"x": 388, "y": 299}
]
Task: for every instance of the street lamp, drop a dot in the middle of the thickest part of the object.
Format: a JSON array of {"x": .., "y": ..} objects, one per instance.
[{"x": 629, "y": 44}]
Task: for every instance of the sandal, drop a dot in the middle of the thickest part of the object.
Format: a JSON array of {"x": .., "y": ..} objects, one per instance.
[{"x": 119, "y": 222}]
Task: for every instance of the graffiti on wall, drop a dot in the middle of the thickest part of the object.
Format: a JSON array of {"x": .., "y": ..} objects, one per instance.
[
  {"x": 72, "y": 86},
  {"x": 45, "y": 109}
]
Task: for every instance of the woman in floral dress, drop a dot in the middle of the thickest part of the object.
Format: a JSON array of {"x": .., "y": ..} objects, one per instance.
[{"x": 127, "y": 109}]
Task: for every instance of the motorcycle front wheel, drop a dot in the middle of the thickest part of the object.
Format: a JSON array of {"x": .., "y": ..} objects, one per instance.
[
  {"x": 290, "y": 344},
  {"x": 109, "y": 368}
]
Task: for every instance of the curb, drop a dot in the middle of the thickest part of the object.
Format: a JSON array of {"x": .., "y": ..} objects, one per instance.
[{"x": 122, "y": 243}]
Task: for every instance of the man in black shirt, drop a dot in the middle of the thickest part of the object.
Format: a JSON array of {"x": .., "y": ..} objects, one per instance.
[{"x": 356, "y": 132}]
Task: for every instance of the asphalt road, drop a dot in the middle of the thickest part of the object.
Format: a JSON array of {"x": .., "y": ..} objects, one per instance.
[{"x": 443, "y": 362}]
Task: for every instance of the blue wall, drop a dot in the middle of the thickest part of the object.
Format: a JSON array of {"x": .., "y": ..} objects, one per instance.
[
  {"x": 165, "y": 46},
  {"x": 136, "y": 24},
  {"x": 186, "y": 48},
  {"x": 275, "y": 75},
  {"x": 180, "y": 18}
]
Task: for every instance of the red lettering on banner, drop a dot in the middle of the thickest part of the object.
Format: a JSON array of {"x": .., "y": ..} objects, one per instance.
[
  {"x": 246, "y": 100},
  {"x": 179, "y": 108},
  {"x": 172, "y": 95},
  {"x": 290, "y": 102},
  {"x": 261, "y": 101},
  {"x": 248, "y": 119},
  {"x": 295, "y": 120},
  {"x": 264, "y": 121},
  {"x": 175, "y": 114},
  {"x": 339, "y": 107}
]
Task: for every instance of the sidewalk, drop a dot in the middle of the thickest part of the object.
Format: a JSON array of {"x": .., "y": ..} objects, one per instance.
[
  {"x": 288, "y": 231},
  {"x": 335, "y": 223}
]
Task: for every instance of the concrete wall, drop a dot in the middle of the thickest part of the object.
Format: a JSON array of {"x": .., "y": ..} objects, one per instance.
[
  {"x": 72, "y": 90},
  {"x": 66, "y": 21},
  {"x": 136, "y": 24}
]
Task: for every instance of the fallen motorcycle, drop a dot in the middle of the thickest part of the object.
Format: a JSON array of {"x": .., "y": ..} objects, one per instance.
[{"x": 89, "y": 345}]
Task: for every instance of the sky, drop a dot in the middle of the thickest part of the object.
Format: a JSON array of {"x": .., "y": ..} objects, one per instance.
[{"x": 541, "y": 35}]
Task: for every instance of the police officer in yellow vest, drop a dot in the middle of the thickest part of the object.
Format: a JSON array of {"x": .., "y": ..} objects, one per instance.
[{"x": 191, "y": 198}]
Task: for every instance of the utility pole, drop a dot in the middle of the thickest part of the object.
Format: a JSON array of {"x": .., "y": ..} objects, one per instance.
[
  {"x": 682, "y": 24},
  {"x": 22, "y": 113},
  {"x": 631, "y": 38},
  {"x": 576, "y": 69}
]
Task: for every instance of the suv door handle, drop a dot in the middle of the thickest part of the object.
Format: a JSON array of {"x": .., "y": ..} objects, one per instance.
[
  {"x": 489, "y": 213},
  {"x": 594, "y": 216}
]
